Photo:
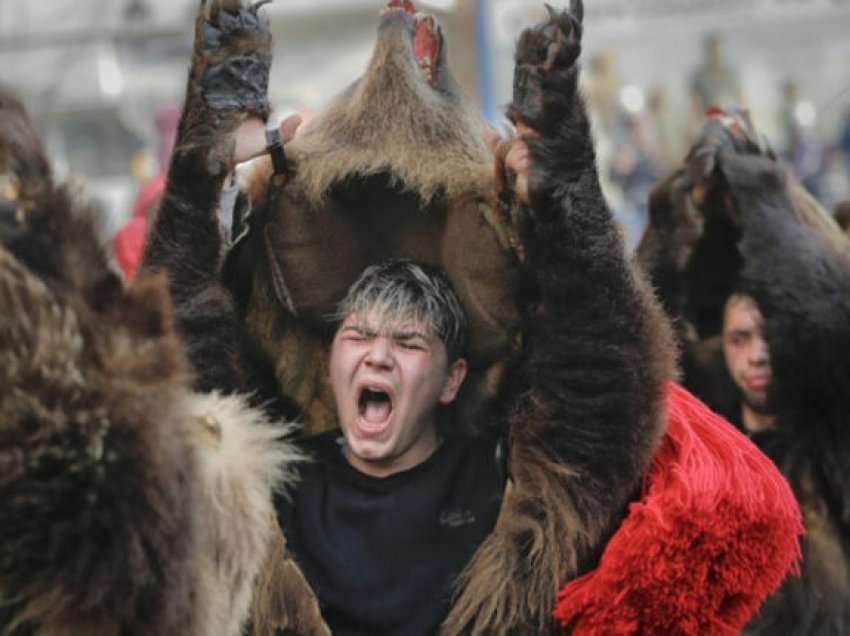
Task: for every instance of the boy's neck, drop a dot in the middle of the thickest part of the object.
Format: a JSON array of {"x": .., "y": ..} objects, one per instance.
[{"x": 416, "y": 455}]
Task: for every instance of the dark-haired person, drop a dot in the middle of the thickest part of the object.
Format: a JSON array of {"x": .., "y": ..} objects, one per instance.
[
  {"x": 389, "y": 492},
  {"x": 747, "y": 358},
  {"x": 402, "y": 525}
]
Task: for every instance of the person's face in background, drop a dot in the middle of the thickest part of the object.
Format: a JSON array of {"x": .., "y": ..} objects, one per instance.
[{"x": 745, "y": 350}]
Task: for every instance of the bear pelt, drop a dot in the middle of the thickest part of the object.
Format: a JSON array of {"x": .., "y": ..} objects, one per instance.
[
  {"x": 394, "y": 166},
  {"x": 764, "y": 236},
  {"x": 130, "y": 504},
  {"x": 690, "y": 253},
  {"x": 397, "y": 166}
]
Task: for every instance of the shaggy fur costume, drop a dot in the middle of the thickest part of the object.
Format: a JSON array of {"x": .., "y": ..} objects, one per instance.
[
  {"x": 690, "y": 253},
  {"x": 572, "y": 350},
  {"x": 801, "y": 282},
  {"x": 700, "y": 500},
  {"x": 393, "y": 167},
  {"x": 788, "y": 255},
  {"x": 129, "y": 503}
]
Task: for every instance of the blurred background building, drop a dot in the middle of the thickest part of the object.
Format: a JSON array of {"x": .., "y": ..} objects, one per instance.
[{"x": 96, "y": 72}]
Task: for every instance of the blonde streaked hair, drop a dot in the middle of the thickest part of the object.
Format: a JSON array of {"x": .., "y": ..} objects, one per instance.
[{"x": 400, "y": 290}]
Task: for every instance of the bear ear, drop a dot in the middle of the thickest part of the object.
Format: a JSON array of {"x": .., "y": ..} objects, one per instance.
[
  {"x": 145, "y": 308},
  {"x": 141, "y": 318}
]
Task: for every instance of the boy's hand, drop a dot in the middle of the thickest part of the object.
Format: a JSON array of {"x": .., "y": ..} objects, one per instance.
[
  {"x": 512, "y": 162},
  {"x": 251, "y": 136}
]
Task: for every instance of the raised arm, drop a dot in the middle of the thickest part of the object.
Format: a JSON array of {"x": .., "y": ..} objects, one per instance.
[
  {"x": 588, "y": 396},
  {"x": 227, "y": 86}
]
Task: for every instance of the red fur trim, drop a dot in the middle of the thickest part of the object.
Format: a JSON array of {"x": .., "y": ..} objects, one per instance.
[
  {"x": 715, "y": 532},
  {"x": 149, "y": 195}
]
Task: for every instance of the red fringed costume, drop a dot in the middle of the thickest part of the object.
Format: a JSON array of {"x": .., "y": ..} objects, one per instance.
[{"x": 706, "y": 494}]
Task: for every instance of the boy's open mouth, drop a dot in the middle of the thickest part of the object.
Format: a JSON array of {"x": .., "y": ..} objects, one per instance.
[{"x": 374, "y": 406}]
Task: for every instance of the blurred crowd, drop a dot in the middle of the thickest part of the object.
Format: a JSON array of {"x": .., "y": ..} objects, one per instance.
[{"x": 641, "y": 137}]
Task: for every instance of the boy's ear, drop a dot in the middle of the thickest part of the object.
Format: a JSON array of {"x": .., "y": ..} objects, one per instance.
[{"x": 454, "y": 379}]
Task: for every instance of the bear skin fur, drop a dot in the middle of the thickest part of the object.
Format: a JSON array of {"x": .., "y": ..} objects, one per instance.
[
  {"x": 690, "y": 253},
  {"x": 130, "y": 503},
  {"x": 760, "y": 234},
  {"x": 581, "y": 389},
  {"x": 571, "y": 354},
  {"x": 136, "y": 475}
]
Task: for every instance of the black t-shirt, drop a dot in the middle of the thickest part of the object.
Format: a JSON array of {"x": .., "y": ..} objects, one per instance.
[{"x": 382, "y": 553}]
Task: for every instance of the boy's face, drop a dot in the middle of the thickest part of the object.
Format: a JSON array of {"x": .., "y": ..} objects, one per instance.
[
  {"x": 388, "y": 382},
  {"x": 745, "y": 350}
]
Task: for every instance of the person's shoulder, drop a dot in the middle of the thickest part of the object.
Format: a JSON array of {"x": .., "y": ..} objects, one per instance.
[
  {"x": 485, "y": 449},
  {"x": 321, "y": 453},
  {"x": 327, "y": 445},
  {"x": 485, "y": 443}
]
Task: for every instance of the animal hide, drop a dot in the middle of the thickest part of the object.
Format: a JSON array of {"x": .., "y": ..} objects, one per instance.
[
  {"x": 779, "y": 247},
  {"x": 570, "y": 350},
  {"x": 130, "y": 503}
]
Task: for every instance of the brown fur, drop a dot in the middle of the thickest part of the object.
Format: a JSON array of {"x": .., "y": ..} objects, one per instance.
[
  {"x": 284, "y": 600},
  {"x": 130, "y": 504},
  {"x": 689, "y": 251},
  {"x": 554, "y": 522},
  {"x": 766, "y": 237},
  {"x": 574, "y": 463},
  {"x": 799, "y": 275},
  {"x": 433, "y": 145},
  {"x": 677, "y": 228},
  {"x": 23, "y": 159},
  {"x": 569, "y": 350},
  {"x": 416, "y": 181}
]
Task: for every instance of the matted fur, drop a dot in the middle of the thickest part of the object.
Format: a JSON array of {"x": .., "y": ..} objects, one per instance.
[
  {"x": 130, "y": 504},
  {"x": 580, "y": 389},
  {"x": 685, "y": 220},
  {"x": 588, "y": 407},
  {"x": 123, "y": 511},
  {"x": 770, "y": 239},
  {"x": 392, "y": 167},
  {"x": 391, "y": 119},
  {"x": 97, "y": 504},
  {"x": 799, "y": 276},
  {"x": 583, "y": 350}
]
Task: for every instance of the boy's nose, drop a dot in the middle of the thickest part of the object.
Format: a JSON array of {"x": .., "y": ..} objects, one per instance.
[{"x": 380, "y": 352}]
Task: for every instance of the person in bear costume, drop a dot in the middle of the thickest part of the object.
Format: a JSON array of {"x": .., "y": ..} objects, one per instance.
[
  {"x": 130, "y": 503},
  {"x": 756, "y": 235},
  {"x": 572, "y": 354},
  {"x": 629, "y": 507}
]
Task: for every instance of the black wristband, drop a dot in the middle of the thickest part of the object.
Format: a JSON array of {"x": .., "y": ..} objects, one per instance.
[{"x": 274, "y": 144}]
